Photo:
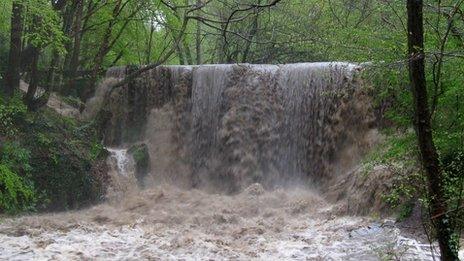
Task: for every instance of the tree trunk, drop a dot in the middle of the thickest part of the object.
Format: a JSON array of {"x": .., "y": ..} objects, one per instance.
[
  {"x": 67, "y": 29},
  {"x": 422, "y": 124},
  {"x": 108, "y": 41},
  {"x": 222, "y": 48},
  {"x": 180, "y": 54},
  {"x": 51, "y": 76},
  {"x": 12, "y": 76},
  {"x": 198, "y": 36},
  {"x": 187, "y": 52},
  {"x": 103, "y": 50},
  {"x": 68, "y": 16},
  {"x": 251, "y": 35},
  {"x": 74, "y": 61},
  {"x": 150, "y": 44},
  {"x": 34, "y": 82}
]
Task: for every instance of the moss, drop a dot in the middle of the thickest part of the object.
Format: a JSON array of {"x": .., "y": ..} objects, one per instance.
[
  {"x": 405, "y": 210},
  {"x": 141, "y": 158}
]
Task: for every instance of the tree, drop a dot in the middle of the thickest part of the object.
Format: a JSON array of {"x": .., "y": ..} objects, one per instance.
[
  {"x": 429, "y": 156},
  {"x": 42, "y": 31},
  {"x": 109, "y": 39},
  {"x": 12, "y": 76},
  {"x": 76, "y": 29}
]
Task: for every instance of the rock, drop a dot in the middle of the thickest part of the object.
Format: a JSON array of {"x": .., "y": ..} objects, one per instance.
[
  {"x": 362, "y": 191},
  {"x": 141, "y": 158}
]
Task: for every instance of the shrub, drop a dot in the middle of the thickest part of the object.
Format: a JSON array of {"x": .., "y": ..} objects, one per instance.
[
  {"x": 15, "y": 194},
  {"x": 453, "y": 167},
  {"x": 11, "y": 114},
  {"x": 16, "y": 157}
]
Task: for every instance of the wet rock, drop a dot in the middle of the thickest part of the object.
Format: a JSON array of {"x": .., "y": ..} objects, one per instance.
[
  {"x": 255, "y": 189},
  {"x": 299, "y": 206},
  {"x": 363, "y": 191},
  {"x": 101, "y": 219},
  {"x": 131, "y": 104},
  {"x": 141, "y": 158}
]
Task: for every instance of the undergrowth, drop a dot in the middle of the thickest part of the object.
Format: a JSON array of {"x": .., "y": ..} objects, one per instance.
[
  {"x": 48, "y": 162},
  {"x": 16, "y": 194}
]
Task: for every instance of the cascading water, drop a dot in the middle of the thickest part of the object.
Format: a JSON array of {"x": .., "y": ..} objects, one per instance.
[
  {"x": 240, "y": 124},
  {"x": 312, "y": 94},
  {"x": 274, "y": 136},
  {"x": 209, "y": 83},
  {"x": 122, "y": 160},
  {"x": 121, "y": 172},
  {"x": 233, "y": 125}
]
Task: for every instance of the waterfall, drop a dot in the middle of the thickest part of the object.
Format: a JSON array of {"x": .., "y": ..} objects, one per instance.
[
  {"x": 233, "y": 125},
  {"x": 122, "y": 173}
]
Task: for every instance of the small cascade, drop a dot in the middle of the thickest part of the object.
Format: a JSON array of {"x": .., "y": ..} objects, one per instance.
[
  {"x": 122, "y": 173},
  {"x": 124, "y": 163}
]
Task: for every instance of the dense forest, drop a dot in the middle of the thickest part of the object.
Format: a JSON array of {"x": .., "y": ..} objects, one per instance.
[{"x": 55, "y": 56}]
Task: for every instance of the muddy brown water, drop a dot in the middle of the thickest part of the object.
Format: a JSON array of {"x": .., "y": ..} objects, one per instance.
[{"x": 168, "y": 223}]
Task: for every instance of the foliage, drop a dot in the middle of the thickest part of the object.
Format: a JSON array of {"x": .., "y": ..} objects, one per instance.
[
  {"x": 11, "y": 115},
  {"x": 96, "y": 150},
  {"x": 16, "y": 157},
  {"x": 16, "y": 190},
  {"x": 44, "y": 24},
  {"x": 398, "y": 154},
  {"x": 64, "y": 154},
  {"x": 46, "y": 160},
  {"x": 15, "y": 194},
  {"x": 453, "y": 165},
  {"x": 141, "y": 158}
]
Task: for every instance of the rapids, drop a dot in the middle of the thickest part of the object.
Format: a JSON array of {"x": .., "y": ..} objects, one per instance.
[{"x": 168, "y": 223}]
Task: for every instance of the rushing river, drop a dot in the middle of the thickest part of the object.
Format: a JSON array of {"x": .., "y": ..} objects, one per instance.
[{"x": 172, "y": 224}]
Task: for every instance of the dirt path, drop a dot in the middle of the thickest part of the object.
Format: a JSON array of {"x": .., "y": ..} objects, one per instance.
[{"x": 55, "y": 102}]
